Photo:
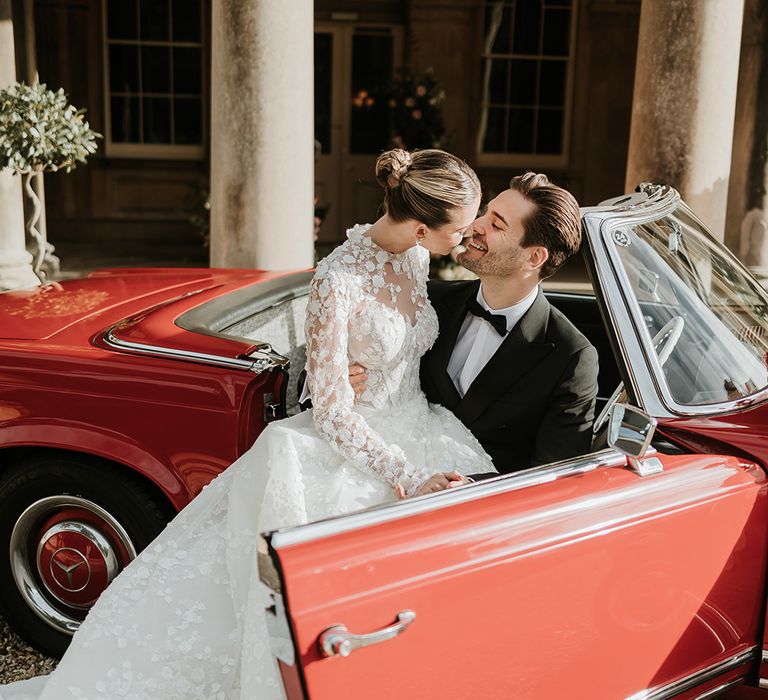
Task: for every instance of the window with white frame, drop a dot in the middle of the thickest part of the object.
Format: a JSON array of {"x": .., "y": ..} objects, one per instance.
[
  {"x": 527, "y": 72},
  {"x": 154, "y": 78}
]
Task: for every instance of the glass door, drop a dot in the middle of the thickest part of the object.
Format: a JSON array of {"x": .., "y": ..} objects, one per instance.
[{"x": 354, "y": 66}]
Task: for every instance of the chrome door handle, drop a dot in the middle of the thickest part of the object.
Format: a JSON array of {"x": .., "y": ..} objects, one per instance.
[{"x": 339, "y": 641}]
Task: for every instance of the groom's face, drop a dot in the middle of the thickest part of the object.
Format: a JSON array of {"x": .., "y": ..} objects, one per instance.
[{"x": 494, "y": 246}]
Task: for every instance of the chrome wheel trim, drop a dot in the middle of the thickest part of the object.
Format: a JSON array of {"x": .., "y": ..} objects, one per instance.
[
  {"x": 23, "y": 557},
  {"x": 93, "y": 535}
]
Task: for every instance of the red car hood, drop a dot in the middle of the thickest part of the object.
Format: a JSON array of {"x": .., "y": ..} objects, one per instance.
[{"x": 104, "y": 297}]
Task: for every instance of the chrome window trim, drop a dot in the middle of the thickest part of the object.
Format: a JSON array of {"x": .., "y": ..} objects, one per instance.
[
  {"x": 560, "y": 294},
  {"x": 717, "y": 691},
  {"x": 129, "y": 346},
  {"x": 671, "y": 407},
  {"x": 619, "y": 316},
  {"x": 643, "y": 370},
  {"x": 648, "y": 203},
  {"x": 669, "y": 690},
  {"x": 264, "y": 357},
  {"x": 397, "y": 510}
]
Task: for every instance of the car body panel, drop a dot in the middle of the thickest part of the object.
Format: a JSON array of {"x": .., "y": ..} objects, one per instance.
[
  {"x": 549, "y": 591},
  {"x": 93, "y": 301},
  {"x": 744, "y": 432},
  {"x": 737, "y": 427},
  {"x": 157, "y": 326},
  {"x": 97, "y": 377},
  {"x": 176, "y": 422}
]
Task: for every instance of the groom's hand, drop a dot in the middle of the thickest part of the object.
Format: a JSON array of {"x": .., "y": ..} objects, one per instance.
[{"x": 357, "y": 378}]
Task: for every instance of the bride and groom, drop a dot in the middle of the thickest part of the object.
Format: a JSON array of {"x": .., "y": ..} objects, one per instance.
[{"x": 185, "y": 619}]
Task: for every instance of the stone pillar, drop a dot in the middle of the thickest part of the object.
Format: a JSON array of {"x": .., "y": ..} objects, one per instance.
[
  {"x": 684, "y": 101},
  {"x": 747, "y": 218},
  {"x": 15, "y": 261},
  {"x": 26, "y": 68},
  {"x": 262, "y": 134}
]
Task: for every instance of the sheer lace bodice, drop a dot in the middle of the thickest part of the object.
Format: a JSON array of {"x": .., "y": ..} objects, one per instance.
[{"x": 368, "y": 306}]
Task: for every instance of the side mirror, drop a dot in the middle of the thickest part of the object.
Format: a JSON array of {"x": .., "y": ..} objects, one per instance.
[{"x": 630, "y": 431}]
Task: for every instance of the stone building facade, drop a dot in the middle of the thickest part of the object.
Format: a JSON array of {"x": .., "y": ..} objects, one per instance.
[{"x": 548, "y": 85}]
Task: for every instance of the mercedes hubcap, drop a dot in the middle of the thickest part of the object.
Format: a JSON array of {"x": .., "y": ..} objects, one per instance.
[{"x": 64, "y": 552}]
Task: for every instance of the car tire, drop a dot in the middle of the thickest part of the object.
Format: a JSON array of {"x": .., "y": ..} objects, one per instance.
[{"x": 68, "y": 525}]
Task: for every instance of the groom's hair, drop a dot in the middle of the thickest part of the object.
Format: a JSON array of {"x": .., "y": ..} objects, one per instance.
[{"x": 554, "y": 224}]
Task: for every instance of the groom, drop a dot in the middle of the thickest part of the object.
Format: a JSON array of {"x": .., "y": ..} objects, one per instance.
[{"x": 512, "y": 368}]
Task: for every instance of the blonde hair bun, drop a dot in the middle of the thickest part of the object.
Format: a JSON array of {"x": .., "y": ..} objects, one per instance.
[
  {"x": 426, "y": 185},
  {"x": 392, "y": 166}
]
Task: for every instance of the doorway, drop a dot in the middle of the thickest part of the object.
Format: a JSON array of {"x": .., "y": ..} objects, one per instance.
[{"x": 354, "y": 63}]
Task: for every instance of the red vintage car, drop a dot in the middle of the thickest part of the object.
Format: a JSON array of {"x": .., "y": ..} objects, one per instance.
[
  {"x": 121, "y": 395},
  {"x": 604, "y": 576}
]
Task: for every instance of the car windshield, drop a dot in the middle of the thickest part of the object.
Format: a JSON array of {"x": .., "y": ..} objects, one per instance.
[{"x": 703, "y": 315}]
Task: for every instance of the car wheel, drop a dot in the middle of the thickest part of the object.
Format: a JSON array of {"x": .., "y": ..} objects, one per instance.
[{"x": 68, "y": 525}]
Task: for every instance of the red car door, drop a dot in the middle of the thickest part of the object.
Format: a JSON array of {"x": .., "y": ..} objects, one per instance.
[{"x": 580, "y": 580}]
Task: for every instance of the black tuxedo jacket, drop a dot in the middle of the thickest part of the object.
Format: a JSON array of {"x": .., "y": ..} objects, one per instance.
[{"x": 534, "y": 400}]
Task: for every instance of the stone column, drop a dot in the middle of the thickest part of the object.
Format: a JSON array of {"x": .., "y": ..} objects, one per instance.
[
  {"x": 15, "y": 261},
  {"x": 746, "y": 230},
  {"x": 26, "y": 68},
  {"x": 684, "y": 101},
  {"x": 262, "y": 134}
]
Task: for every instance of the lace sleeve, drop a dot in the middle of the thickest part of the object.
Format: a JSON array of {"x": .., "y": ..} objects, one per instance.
[{"x": 331, "y": 302}]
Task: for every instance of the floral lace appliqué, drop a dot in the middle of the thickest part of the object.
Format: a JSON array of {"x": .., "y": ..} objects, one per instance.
[{"x": 368, "y": 306}]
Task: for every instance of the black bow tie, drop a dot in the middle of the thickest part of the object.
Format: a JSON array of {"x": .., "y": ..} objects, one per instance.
[{"x": 498, "y": 321}]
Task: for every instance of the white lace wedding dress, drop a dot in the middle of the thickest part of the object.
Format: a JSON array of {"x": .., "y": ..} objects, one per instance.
[{"x": 185, "y": 619}]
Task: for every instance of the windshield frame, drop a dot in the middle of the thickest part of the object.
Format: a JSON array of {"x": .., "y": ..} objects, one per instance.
[{"x": 632, "y": 308}]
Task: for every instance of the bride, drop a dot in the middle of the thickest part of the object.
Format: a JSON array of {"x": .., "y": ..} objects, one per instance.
[{"x": 185, "y": 619}]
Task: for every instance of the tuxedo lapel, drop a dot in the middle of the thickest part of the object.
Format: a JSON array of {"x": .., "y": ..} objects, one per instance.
[
  {"x": 451, "y": 313},
  {"x": 518, "y": 355}
]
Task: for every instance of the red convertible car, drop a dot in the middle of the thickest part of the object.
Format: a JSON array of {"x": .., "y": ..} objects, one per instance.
[{"x": 604, "y": 576}]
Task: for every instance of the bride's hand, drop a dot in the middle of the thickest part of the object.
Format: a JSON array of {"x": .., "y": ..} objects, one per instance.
[
  {"x": 357, "y": 378},
  {"x": 441, "y": 481}
]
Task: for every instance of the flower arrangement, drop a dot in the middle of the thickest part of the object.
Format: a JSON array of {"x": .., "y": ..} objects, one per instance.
[
  {"x": 416, "y": 102},
  {"x": 41, "y": 132},
  {"x": 416, "y": 114}
]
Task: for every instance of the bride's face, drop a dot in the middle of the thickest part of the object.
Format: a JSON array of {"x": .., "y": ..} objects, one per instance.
[{"x": 443, "y": 240}]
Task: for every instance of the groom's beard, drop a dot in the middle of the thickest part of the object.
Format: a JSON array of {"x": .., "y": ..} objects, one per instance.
[{"x": 492, "y": 263}]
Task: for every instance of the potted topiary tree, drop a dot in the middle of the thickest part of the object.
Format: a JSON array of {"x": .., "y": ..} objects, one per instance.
[{"x": 41, "y": 132}]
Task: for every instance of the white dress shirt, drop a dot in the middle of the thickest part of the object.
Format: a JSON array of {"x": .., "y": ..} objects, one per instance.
[{"x": 478, "y": 340}]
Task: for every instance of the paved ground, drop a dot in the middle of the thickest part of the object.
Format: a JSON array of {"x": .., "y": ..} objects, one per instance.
[
  {"x": 79, "y": 258},
  {"x": 18, "y": 660}
]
